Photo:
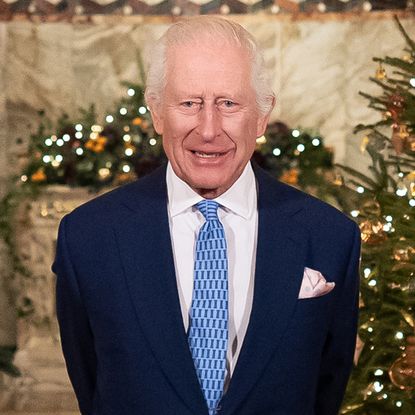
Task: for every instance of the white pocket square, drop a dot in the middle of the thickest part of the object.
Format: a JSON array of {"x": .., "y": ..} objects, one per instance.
[{"x": 314, "y": 284}]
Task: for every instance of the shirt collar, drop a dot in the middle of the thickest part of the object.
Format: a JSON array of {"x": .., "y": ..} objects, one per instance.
[{"x": 240, "y": 198}]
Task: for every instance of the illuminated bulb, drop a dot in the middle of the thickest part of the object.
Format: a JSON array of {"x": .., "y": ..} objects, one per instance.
[
  {"x": 367, "y": 6},
  {"x": 53, "y": 137},
  {"x": 360, "y": 189},
  {"x": 402, "y": 191},
  {"x": 153, "y": 141},
  {"x": 389, "y": 218},
  {"x": 55, "y": 163},
  {"x": 370, "y": 329},
  {"x": 66, "y": 137},
  {"x": 142, "y": 110},
  {"x": 93, "y": 136},
  {"x": 79, "y": 151},
  {"x": 295, "y": 133},
  {"x": 321, "y": 7},
  {"x": 109, "y": 118},
  {"x": 399, "y": 335},
  {"x": 23, "y": 178},
  {"x": 104, "y": 172},
  {"x": 276, "y": 151},
  {"x": 131, "y": 92},
  {"x": 372, "y": 283},
  {"x": 78, "y": 127},
  {"x": 387, "y": 227},
  {"x": 377, "y": 386},
  {"x": 261, "y": 140},
  {"x": 128, "y": 152},
  {"x": 412, "y": 202},
  {"x": 275, "y": 9},
  {"x": 126, "y": 168},
  {"x": 399, "y": 404},
  {"x": 48, "y": 142},
  {"x": 400, "y": 174},
  {"x": 176, "y": 11},
  {"x": 126, "y": 137},
  {"x": 355, "y": 213},
  {"x": 78, "y": 135},
  {"x": 315, "y": 142},
  {"x": 108, "y": 164},
  {"x": 412, "y": 82},
  {"x": 127, "y": 10},
  {"x": 58, "y": 158},
  {"x": 301, "y": 147},
  {"x": 60, "y": 142},
  {"x": 378, "y": 372},
  {"x": 96, "y": 128},
  {"x": 123, "y": 111},
  {"x": 225, "y": 9},
  {"x": 384, "y": 396},
  {"x": 367, "y": 272}
]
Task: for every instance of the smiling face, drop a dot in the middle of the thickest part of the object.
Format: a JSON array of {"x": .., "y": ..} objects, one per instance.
[{"x": 208, "y": 116}]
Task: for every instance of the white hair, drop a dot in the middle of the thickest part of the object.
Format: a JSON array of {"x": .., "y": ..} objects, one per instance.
[{"x": 195, "y": 29}]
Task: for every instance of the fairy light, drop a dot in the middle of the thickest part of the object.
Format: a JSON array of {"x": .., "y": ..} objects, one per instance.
[
  {"x": 78, "y": 135},
  {"x": 126, "y": 168},
  {"x": 55, "y": 163},
  {"x": 370, "y": 329},
  {"x": 109, "y": 118},
  {"x": 126, "y": 138},
  {"x": 79, "y": 151},
  {"x": 367, "y": 272},
  {"x": 372, "y": 283},
  {"x": 153, "y": 141},
  {"x": 78, "y": 127},
  {"x": 131, "y": 92},
  {"x": 360, "y": 189},
  {"x": 142, "y": 110},
  {"x": 123, "y": 111},
  {"x": 377, "y": 386},
  {"x": 48, "y": 142},
  {"x": 389, "y": 218},
  {"x": 367, "y": 6},
  {"x": 411, "y": 202},
  {"x": 398, "y": 404},
  {"x": 301, "y": 147},
  {"x": 401, "y": 191},
  {"x": 53, "y": 138},
  {"x": 46, "y": 159},
  {"x": 355, "y": 213},
  {"x": 412, "y": 82},
  {"x": 399, "y": 335},
  {"x": 66, "y": 137},
  {"x": 295, "y": 133},
  {"x": 321, "y": 7},
  {"x": 128, "y": 152},
  {"x": 387, "y": 227},
  {"x": 276, "y": 151},
  {"x": 315, "y": 142},
  {"x": 378, "y": 372},
  {"x": 23, "y": 178},
  {"x": 96, "y": 128},
  {"x": 59, "y": 158}
]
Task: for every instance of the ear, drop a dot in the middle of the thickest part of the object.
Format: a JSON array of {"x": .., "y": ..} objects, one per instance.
[
  {"x": 263, "y": 119},
  {"x": 155, "y": 111}
]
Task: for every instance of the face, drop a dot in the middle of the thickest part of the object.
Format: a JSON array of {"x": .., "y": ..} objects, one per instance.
[{"x": 208, "y": 116}]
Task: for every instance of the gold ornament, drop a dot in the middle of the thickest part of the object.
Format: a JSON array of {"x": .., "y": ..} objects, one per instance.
[
  {"x": 290, "y": 177},
  {"x": 403, "y": 131},
  {"x": 398, "y": 138},
  {"x": 137, "y": 121},
  {"x": 404, "y": 254},
  {"x": 372, "y": 232},
  {"x": 38, "y": 176},
  {"x": 380, "y": 73},
  {"x": 402, "y": 371},
  {"x": 410, "y": 142},
  {"x": 96, "y": 145},
  {"x": 338, "y": 180},
  {"x": 364, "y": 143}
]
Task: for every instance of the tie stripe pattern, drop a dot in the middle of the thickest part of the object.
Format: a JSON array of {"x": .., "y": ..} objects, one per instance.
[{"x": 208, "y": 332}]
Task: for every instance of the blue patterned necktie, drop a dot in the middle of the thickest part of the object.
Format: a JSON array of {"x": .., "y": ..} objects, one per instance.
[{"x": 208, "y": 332}]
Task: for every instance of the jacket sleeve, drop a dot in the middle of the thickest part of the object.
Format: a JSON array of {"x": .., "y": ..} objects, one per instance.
[
  {"x": 337, "y": 358},
  {"x": 76, "y": 335}
]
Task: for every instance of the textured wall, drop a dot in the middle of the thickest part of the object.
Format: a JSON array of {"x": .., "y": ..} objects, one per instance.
[{"x": 318, "y": 69}]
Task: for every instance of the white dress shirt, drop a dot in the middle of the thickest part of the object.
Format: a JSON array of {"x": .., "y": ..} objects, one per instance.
[{"x": 239, "y": 215}]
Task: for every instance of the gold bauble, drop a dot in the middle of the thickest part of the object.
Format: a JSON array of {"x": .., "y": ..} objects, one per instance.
[
  {"x": 372, "y": 232},
  {"x": 402, "y": 374},
  {"x": 380, "y": 73}
]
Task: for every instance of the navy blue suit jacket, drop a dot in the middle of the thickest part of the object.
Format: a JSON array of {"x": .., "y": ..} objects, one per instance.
[{"x": 121, "y": 326}]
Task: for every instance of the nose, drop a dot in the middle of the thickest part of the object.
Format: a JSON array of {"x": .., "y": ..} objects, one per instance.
[{"x": 209, "y": 122}]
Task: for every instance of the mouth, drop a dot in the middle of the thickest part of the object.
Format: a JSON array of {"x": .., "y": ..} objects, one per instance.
[{"x": 209, "y": 155}]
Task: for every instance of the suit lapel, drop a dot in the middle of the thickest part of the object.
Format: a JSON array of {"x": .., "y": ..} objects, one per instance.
[
  {"x": 145, "y": 247},
  {"x": 281, "y": 255}
]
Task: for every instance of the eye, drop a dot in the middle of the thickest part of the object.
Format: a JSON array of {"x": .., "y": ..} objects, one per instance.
[{"x": 228, "y": 105}]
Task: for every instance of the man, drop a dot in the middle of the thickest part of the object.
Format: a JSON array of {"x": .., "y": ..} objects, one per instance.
[{"x": 208, "y": 287}]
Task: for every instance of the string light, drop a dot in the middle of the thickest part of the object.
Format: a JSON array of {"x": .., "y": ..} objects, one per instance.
[
  {"x": 126, "y": 168},
  {"x": 128, "y": 152},
  {"x": 355, "y": 213},
  {"x": 295, "y": 133},
  {"x": 367, "y": 272},
  {"x": 66, "y": 137},
  {"x": 46, "y": 159},
  {"x": 131, "y": 92},
  {"x": 153, "y": 141},
  {"x": 23, "y": 178},
  {"x": 59, "y": 158},
  {"x": 276, "y": 151},
  {"x": 402, "y": 191},
  {"x": 96, "y": 128},
  {"x": 48, "y": 142},
  {"x": 412, "y": 82},
  {"x": 78, "y": 127},
  {"x": 78, "y": 135},
  {"x": 360, "y": 189},
  {"x": 109, "y": 118},
  {"x": 412, "y": 202},
  {"x": 372, "y": 283},
  {"x": 123, "y": 111},
  {"x": 399, "y": 335},
  {"x": 367, "y": 6},
  {"x": 142, "y": 110},
  {"x": 126, "y": 138},
  {"x": 275, "y": 9},
  {"x": 79, "y": 151},
  {"x": 378, "y": 372},
  {"x": 301, "y": 147},
  {"x": 388, "y": 218},
  {"x": 399, "y": 404},
  {"x": 321, "y": 7},
  {"x": 315, "y": 142}
]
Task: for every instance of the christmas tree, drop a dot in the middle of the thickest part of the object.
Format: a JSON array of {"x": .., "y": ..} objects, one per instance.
[{"x": 383, "y": 203}]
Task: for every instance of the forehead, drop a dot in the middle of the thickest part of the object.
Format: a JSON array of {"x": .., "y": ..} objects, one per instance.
[{"x": 208, "y": 66}]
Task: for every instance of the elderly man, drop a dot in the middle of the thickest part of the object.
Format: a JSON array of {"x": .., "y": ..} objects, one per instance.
[{"x": 208, "y": 287}]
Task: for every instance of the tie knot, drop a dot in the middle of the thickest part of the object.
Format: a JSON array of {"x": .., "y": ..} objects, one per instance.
[{"x": 209, "y": 209}]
